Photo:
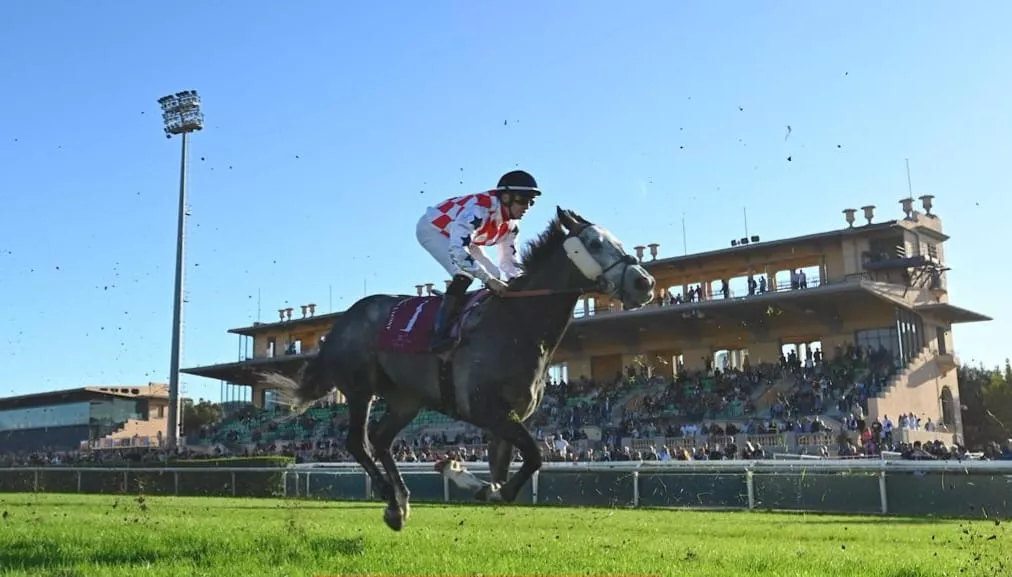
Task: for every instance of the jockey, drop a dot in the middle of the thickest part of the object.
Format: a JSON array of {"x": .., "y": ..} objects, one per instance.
[{"x": 455, "y": 230}]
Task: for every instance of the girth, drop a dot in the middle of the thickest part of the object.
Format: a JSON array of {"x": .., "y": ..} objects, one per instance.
[{"x": 447, "y": 391}]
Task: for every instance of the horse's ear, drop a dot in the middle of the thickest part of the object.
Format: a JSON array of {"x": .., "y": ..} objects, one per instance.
[
  {"x": 580, "y": 219},
  {"x": 566, "y": 219}
]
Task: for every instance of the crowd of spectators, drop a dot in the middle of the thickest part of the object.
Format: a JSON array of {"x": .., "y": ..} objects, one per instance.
[{"x": 709, "y": 414}]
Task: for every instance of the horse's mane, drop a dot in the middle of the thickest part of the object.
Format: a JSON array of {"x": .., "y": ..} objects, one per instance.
[{"x": 539, "y": 250}]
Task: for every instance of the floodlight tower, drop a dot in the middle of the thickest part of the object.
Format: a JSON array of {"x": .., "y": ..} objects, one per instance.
[{"x": 181, "y": 114}]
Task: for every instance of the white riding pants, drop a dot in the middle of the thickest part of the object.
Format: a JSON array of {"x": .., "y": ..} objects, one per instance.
[{"x": 439, "y": 247}]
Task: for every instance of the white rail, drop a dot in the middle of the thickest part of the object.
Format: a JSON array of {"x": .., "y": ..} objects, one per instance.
[
  {"x": 760, "y": 466},
  {"x": 302, "y": 474},
  {"x": 878, "y": 468}
]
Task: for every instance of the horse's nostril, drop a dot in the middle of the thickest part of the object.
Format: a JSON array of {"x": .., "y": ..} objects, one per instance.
[{"x": 644, "y": 283}]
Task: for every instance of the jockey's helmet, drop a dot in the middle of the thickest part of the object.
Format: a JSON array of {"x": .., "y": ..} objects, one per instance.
[{"x": 520, "y": 183}]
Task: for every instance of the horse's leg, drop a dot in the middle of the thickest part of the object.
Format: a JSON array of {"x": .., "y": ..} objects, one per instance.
[
  {"x": 500, "y": 456},
  {"x": 511, "y": 431},
  {"x": 357, "y": 443},
  {"x": 399, "y": 413}
]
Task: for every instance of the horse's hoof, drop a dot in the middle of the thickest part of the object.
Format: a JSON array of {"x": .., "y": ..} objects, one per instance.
[
  {"x": 394, "y": 518},
  {"x": 489, "y": 493}
]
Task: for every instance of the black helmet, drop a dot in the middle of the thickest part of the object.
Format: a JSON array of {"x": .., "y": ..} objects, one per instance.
[{"x": 519, "y": 182}]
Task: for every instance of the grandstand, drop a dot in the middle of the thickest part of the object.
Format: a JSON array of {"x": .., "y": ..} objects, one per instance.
[
  {"x": 781, "y": 344},
  {"x": 67, "y": 420}
]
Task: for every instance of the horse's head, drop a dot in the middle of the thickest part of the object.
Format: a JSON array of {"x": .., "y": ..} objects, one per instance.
[{"x": 600, "y": 257}]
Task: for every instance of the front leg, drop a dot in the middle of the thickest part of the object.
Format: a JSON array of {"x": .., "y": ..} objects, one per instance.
[
  {"x": 500, "y": 456},
  {"x": 511, "y": 431}
]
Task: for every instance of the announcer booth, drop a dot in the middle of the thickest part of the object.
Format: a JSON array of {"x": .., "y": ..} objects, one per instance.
[{"x": 65, "y": 420}]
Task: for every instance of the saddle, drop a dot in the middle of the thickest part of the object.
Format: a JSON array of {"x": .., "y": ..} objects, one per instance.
[{"x": 409, "y": 330}]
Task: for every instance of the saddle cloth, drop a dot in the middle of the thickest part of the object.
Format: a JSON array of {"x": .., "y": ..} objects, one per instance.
[{"x": 408, "y": 329}]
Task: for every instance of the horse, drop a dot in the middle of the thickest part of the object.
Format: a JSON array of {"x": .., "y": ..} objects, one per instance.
[{"x": 494, "y": 375}]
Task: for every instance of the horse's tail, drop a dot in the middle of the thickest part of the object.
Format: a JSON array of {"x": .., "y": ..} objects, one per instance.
[{"x": 306, "y": 388}]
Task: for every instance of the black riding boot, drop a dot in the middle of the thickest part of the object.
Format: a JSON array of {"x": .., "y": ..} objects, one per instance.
[
  {"x": 448, "y": 309},
  {"x": 444, "y": 319}
]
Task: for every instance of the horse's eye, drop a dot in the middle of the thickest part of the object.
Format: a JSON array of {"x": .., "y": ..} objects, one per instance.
[{"x": 594, "y": 245}]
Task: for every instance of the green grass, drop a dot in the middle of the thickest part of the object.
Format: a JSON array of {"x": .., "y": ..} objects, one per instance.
[{"x": 97, "y": 536}]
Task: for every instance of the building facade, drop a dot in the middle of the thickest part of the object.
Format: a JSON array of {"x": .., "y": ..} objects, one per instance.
[{"x": 88, "y": 416}]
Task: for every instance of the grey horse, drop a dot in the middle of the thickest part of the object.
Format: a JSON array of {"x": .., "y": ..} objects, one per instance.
[{"x": 496, "y": 370}]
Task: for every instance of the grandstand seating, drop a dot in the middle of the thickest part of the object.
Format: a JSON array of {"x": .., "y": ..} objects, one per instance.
[{"x": 830, "y": 388}]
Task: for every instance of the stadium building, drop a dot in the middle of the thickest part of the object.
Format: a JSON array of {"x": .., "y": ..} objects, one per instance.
[
  {"x": 86, "y": 417},
  {"x": 872, "y": 289}
]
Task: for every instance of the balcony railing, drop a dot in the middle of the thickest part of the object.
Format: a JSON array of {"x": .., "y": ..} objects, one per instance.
[{"x": 784, "y": 286}]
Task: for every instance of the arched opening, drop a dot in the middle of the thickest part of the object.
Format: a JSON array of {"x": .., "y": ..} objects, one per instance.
[{"x": 948, "y": 408}]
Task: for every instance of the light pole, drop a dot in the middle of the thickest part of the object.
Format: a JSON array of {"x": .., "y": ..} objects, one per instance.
[{"x": 182, "y": 115}]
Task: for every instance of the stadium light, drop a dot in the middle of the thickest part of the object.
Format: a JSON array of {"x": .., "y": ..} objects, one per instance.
[{"x": 181, "y": 114}]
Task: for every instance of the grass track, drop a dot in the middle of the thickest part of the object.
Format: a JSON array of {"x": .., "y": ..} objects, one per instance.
[{"x": 99, "y": 536}]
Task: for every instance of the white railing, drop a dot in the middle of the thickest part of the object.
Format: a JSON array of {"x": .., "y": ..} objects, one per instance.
[
  {"x": 748, "y": 468},
  {"x": 766, "y": 466},
  {"x": 301, "y": 474}
]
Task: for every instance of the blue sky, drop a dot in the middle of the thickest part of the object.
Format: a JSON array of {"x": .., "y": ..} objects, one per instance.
[{"x": 331, "y": 125}]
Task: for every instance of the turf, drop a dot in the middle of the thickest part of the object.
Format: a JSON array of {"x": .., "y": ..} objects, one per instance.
[{"x": 97, "y": 536}]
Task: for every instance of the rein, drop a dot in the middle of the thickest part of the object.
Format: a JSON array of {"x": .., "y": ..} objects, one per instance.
[
  {"x": 544, "y": 292},
  {"x": 600, "y": 287},
  {"x": 533, "y": 292}
]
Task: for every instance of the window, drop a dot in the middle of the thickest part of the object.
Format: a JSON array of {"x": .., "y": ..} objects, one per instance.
[{"x": 873, "y": 339}]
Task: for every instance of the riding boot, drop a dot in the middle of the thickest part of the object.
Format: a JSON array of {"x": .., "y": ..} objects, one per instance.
[{"x": 444, "y": 320}]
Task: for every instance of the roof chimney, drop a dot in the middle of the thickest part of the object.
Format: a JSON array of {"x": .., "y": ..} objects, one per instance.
[
  {"x": 869, "y": 212},
  {"x": 419, "y": 287},
  {"x": 926, "y": 203},
  {"x": 428, "y": 288},
  {"x": 281, "y": 314},
  {"x": 288, "y": 313},
  {"x": 850, "y": 216},
  {"x": 653, "y": 250},
  {"x": 908, "y": 207},
  {"x": 312, "y": 309},
  {"x": 639, "y": 252},
  {"x": 304, "y": 307}
]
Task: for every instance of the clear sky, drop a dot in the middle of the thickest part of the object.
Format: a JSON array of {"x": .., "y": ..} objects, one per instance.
[{"x": 331, "y": 125}]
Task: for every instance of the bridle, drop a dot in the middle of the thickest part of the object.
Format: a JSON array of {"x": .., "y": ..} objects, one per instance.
[{"x": 600, "y": 285}]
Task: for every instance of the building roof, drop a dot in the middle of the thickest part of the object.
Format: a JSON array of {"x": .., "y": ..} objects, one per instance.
[
  {"x": 951, "y": 313},
  {"x": 260, "y": 328},
  {"x": 823, "y": 301},
  {"x": 753, "y": 247},
  {"x": 749, "y": 310},
  {"x": 244, "y": 372},
  {"x": 71, "y": 396}
]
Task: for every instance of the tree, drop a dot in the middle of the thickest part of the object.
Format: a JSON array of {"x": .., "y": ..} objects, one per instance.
[
  {"x": 198, "y": 415},
  {"x": 986, "y": 396}
]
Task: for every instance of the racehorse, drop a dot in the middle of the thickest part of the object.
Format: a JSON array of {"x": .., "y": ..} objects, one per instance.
[{"x": 493, "y": 377}]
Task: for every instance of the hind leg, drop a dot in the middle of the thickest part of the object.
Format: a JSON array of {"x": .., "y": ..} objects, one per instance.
[
  {"x": 357, "y": 444},
  {"x": 400, "y": 412}
]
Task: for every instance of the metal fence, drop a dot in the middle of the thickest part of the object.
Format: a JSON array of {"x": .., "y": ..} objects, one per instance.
[{"x": 940, "y": 488}]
